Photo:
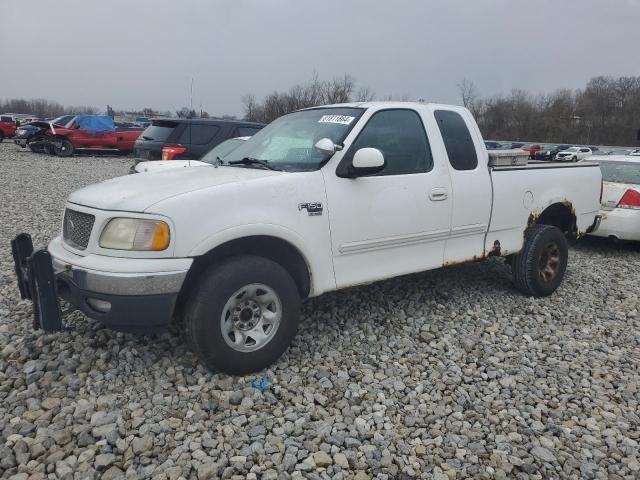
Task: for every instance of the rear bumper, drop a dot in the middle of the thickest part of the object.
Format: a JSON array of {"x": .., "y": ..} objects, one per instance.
[{"x": 619, "y": 223}]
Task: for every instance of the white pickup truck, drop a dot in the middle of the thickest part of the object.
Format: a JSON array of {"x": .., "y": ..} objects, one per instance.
[{"x": 321, "y": 199}]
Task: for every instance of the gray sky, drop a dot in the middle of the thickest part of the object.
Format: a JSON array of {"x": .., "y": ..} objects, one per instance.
[{"x": 138, "y": 53}]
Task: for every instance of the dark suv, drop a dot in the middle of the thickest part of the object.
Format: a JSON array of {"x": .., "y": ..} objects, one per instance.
[{"x": 181, "y": 139}]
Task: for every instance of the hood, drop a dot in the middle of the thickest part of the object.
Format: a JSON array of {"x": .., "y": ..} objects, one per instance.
[
  {"x": 136, "y": 193},
  {"x": 164, "y": 165}
]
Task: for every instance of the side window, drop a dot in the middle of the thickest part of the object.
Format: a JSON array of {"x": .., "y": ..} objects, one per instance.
[
  {"x": 198, "y": 134},
  {"x": 457, "y": 140},
  {"x": 584, "y": 150},
  {"x": 246, "y": 131},
  {"x": 400, "y": 136}
]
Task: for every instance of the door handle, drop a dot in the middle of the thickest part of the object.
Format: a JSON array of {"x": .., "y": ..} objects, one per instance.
[{"x": 438, "y": 194}]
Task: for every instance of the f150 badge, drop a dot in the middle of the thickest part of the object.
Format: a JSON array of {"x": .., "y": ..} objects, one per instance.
[{"x": 312, "y": 208}]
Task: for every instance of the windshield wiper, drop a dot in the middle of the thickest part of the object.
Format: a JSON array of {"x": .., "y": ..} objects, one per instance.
[{"x": 254, "y": 161}]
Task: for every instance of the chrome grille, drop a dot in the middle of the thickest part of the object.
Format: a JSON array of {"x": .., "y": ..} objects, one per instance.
[{"x": 76, "y": 228}]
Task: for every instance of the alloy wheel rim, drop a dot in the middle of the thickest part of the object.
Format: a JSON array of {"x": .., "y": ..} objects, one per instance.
[
  {"x": 549, "y": 262},
  {"x": 251, "y": 317}
]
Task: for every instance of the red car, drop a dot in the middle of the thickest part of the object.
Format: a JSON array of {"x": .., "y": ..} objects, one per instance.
[
  {"x": 7, "y": 127},
  {"x": 91, "y": 132},
  {"x": 531, "y": 148}
]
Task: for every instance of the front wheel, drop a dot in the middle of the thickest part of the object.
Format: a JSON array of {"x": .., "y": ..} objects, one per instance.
[
  {"x": 64, "y": 148},
  {"x": 242, "y": 314},
  {"x": 538, "y": 269}
]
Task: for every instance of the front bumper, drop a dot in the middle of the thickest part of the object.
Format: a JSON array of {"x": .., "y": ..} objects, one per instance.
[{"x": 126, "y": 294}]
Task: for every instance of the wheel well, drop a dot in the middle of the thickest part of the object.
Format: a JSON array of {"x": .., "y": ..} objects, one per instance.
[
  {"x": 273, "y": 248},
  {"x": 559, "y": 215}
]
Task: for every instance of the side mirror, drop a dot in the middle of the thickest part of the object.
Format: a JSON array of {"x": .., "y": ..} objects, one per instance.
[
  {"x": 326, "y": 146},
  {"x": 367, "y": 160}
]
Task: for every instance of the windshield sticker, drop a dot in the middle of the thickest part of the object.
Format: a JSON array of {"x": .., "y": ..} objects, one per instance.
[{"x": 341, "y": 119}]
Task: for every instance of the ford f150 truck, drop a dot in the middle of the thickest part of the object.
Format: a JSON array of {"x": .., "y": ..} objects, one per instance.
[{"x": 320, "y": 199}]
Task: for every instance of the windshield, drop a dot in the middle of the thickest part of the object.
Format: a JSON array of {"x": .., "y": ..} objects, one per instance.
[
  {"x": 222, "y": 150},
  {"x": 62, "y": 120},
  {"x": 572, "y": 149},
  {"x": 621, "y": 172},
  {"x": 288, "y": 142}
]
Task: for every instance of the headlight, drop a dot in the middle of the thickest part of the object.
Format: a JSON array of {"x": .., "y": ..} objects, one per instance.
[{"x": 135, "y": 234}]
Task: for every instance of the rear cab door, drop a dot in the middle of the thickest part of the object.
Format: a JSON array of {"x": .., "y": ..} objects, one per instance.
[{"x": 467, "y": 160}]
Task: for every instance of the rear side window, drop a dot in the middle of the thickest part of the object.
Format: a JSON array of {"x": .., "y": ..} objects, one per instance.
[
  {"x": 457, "y": 140},
  {"x": 158, "y": 131},
  {"x": 246, "y": 131},
  {"x": 400, "y": 136},
  {"x": 6, "y": 119},
  {"x": 195, "y": 134}
]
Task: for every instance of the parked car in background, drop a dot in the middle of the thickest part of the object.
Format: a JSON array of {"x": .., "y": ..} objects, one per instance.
[
  {"x": 143, "y": 121},
  {"x": 491, "y": 145},
  {"x": 89, "y": 132},
  {"x": 620, "y": 151},
  {"x": 531, "y": 148},
  {"x": 34, "y": 135},
  {"x": 620, "y": 199},
  {"x": 548, "y": 152},
  {"x": 8, "y": 127},
  {"x": 635, "y": 153},
  {"x": 573, "y": 154},
  {"x": 183, "y": 139},
  {"x": 214, "y": 157}
]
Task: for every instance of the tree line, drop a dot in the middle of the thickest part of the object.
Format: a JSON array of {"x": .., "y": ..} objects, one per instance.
[
  {"x": 43, "y": 108},
  {"x": 605, "y": 112}
]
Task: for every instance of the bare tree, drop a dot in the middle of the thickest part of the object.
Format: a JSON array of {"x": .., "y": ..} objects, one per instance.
[{"x": 468, "y": 92}]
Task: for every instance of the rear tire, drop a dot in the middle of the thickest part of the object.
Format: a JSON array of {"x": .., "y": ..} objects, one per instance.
[
  {"x": 64, "y": 149},
  {"x": 1, "y": 137},
  {"x": 242, "y": 314},
  {"x": 538, "y": 269}
]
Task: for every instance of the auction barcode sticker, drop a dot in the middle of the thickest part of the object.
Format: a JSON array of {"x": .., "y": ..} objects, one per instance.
[{"x": 341, "y": 119}]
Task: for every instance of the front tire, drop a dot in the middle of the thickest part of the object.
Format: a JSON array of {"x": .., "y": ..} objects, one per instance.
[
  {"x": 242, "y": 314},
  {"x": 64, "y": 149},
  {"x": 538, "y": 269}
]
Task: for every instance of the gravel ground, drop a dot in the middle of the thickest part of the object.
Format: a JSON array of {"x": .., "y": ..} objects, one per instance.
[{"x": 446, "y": 374}]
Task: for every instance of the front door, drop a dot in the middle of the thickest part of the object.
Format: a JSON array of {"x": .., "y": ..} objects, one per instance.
[{"x": 396, "y": 221}]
